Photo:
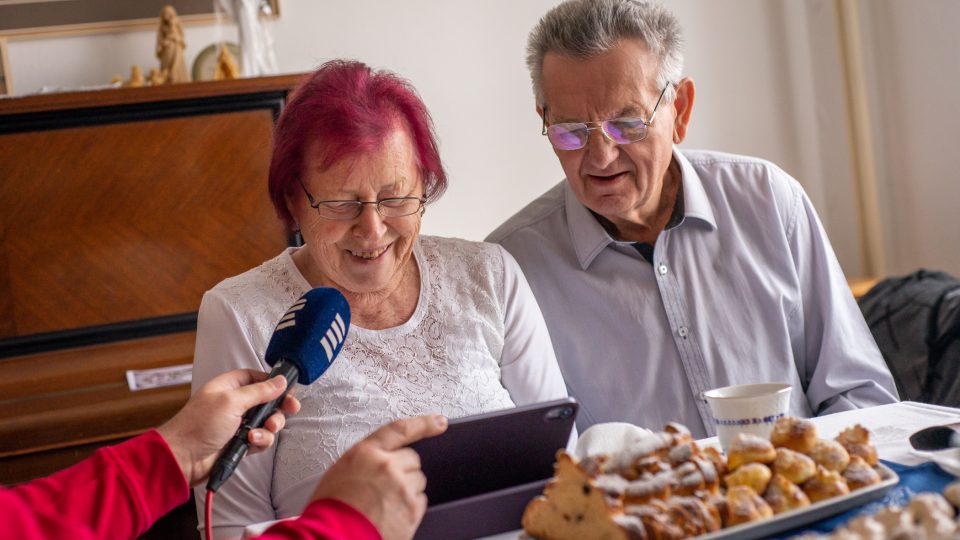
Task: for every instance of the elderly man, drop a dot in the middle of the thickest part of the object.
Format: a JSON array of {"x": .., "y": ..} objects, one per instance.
[{"x": 663, "y": 272}]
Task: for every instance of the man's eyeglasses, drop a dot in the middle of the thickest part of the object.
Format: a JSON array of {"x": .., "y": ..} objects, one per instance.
[
  {"x": 391, "y": 207},
  {"x": 624, "y": 130}
]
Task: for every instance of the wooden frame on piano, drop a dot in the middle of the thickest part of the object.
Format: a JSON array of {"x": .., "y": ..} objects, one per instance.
[{"x": 26, "y": 19}]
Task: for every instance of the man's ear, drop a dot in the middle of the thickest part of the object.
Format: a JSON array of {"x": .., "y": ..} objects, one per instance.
[{"x": 683, "y": 106}]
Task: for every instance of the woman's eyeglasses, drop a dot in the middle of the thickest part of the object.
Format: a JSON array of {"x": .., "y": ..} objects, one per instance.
[
  {"x": 624, "y": 130},
  {"x": 390, "y": 207}
]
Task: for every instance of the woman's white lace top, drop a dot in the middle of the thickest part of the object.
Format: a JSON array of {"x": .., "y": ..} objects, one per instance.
[{"x": 475, "y": 343}]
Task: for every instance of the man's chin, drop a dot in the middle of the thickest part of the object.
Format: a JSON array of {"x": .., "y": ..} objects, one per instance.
[{"x": 610, "y": 204}]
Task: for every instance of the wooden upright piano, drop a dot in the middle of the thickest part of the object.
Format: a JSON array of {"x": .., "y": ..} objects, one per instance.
[{"x": 118, "y": 209}]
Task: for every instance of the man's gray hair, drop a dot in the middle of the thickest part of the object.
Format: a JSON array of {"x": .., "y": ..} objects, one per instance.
[{"x": 586, "y": 28}]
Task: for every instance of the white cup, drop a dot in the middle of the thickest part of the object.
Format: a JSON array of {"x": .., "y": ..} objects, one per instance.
[{"x": 747, "y": 408}]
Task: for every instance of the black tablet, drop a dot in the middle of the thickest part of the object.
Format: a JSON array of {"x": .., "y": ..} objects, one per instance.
[{"x": 496, "y": 450}]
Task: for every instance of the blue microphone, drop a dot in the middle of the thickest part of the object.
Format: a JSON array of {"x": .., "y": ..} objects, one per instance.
[{"x": 307, "y": 339}]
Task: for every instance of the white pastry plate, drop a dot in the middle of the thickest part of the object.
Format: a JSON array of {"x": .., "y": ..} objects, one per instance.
[{"x": 811, "y": 514}]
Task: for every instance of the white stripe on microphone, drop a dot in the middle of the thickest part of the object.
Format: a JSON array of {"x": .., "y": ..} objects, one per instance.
[{"x": 327, "y": 349}]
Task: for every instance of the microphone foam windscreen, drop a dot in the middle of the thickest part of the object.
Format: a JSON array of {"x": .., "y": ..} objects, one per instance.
[{"x": 311, "y": 333}]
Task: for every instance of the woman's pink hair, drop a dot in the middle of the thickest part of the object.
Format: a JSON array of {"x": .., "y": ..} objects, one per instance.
[{"x": 350, "y": 109}]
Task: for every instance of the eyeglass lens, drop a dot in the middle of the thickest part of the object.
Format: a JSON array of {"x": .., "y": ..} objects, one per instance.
[
  {"x": 393, "y": 207},
  {"x": 574, "y": 135}
]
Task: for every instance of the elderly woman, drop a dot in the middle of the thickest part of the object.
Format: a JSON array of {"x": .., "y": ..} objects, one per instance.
[{"x": 437, "y": 325}]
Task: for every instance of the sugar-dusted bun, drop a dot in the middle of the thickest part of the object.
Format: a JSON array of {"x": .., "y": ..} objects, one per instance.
[
  {"x": 824, "y": 485},
  {"x": 717, "y": 459},
  {"x": 867, "y": 527},
  {"x": 695, "y": 476},
  {"x": 650, "y": 465},
  {"x": 783, "y": 495},
  {"x": 893, "y": 517},
  {"x": 644, "y": 489},
  {"x": 794, "y": 466},
  {"x": 631, "y": 526},
  {"x": 633, "y": 461},
  {"x": 679, "y": 432},
  {"x": 756, "y": 476},
  {"x": 657, "y": 522},
  {"x": 924, "y": 506},
  {"x": 683, "y": 452},
  {"x": 687, "y": 479},
  {"x": 830, "y": 454},
  {"x": 744, "y": 506},
  {"x": 859, "y": 474},
  {"x": 856, "y": 441},
  {"x": 794, "y": 433},
  {"x": 693, "y": 516},
  {"x": 719, "y": 503},
  {"x": 747, "y": 448},
  {"x": 711, "y": 477}
]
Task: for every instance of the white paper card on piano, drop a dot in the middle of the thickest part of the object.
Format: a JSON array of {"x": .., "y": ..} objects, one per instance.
[{"x": 143, "y": 379}]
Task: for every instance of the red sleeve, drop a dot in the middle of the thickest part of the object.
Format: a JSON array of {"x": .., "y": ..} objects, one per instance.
[
  {"x": 328, "y": 519},
  {"x": 118, "y": 492}
]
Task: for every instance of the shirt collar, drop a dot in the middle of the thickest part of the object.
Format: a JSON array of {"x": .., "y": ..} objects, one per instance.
[
  {"x": 589, "y": 238},
  {"x": 696, "y": 204}
]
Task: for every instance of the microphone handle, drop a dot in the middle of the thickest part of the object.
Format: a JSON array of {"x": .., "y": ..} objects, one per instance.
[{"x": 252, "y": 419}]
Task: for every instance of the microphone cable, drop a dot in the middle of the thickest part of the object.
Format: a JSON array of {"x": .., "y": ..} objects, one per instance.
[{"x": 208, "y": 514}]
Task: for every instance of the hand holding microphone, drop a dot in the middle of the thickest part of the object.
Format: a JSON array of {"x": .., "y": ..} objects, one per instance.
[
  {"x": 197, "y": 433},
  {"x": 306, "y": 341}
]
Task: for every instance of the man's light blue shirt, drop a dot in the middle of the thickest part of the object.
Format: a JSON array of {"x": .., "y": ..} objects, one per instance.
[{"x": 744, "y": 289}]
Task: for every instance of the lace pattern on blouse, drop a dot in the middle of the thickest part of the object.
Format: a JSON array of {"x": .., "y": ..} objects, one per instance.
[{"x": 444, "y": 359}]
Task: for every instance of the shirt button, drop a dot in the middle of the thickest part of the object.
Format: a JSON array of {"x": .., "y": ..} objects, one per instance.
[
  {"x": 683, "y": 331},
  {"x": 662, "y": 269}
]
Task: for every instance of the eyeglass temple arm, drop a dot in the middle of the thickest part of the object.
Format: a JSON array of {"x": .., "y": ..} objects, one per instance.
[
  {"x": 307, "y": 193},
  {"x": 659, "y": 99},
  {"x": 656, "y": 107}
]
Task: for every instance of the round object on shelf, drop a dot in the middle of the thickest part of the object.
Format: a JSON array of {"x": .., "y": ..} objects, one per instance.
[{"x": 205, "y": 64}]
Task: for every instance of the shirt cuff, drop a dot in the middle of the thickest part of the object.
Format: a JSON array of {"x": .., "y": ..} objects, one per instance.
[{"x": 339, "y": 518}]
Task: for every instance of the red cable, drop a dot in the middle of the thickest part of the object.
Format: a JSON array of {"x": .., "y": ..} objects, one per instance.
[{"x": 207, "y": 527}]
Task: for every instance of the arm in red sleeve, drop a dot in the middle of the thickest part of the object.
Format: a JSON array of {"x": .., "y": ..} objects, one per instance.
[
  {"x": 328, "y": 519},
  {"x": 118, "y": 492}
]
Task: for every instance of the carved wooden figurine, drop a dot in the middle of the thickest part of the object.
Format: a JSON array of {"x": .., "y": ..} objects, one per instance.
[{"x": 170, "y": 46}]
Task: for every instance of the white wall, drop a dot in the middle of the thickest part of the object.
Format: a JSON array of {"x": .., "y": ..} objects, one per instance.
[{"x": 768, "y": 77}]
